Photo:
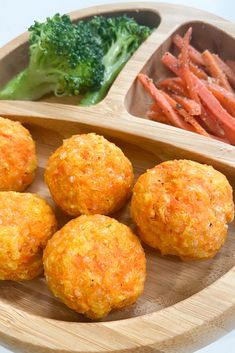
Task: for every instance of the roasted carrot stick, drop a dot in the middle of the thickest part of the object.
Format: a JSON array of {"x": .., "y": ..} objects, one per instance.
[
  {"x": 226, "y": 98},
  {"x": 203, "y": 102},
  {"x": 174, "y": 85},
  {"x": 215, "y": 70},
  {"x": 218, "y": 113},
  {"x": 157, "y": 95},
  {"x": 226, "y": 121},
  {"x": 187, "y": 117},
  {"x": 211, "y": 123},
  {"x": 160, "y": 118},
  {"x": 180, "y": 70},
  {"x": 206, "y": 118},
  {"x": 183, "y": 64},
  {"x": 155, "y": 107},
  {"x": 197, "y": 71},
  {"x": 184, "y": 55},
  {"x": 191, "y": 107},
  {"x": 170, "y": 61},
  {"x": 155, "y": 113},
  {"x": 200, "y": 73},
  {"x": 226, "y": 69},
  {"x": 194, "y": 55}
]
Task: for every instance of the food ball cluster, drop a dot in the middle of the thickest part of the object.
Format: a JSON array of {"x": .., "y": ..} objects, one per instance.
[
  {"x": 17, "y": 156},
  {"x": 182, "y": 208},
  {"x": 26, "y": 224},
  {"x": 89, "y": 175},
  {"x": 95, "y": 264}
]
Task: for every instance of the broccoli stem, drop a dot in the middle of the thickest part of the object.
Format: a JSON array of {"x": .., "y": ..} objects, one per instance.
[
  {"x": 25, "y": 87},
  {"x": 13, "y": 89},
  {"x": 91, "y": 98},
  {"x": 113, "y": 65},
  {"x": 114, "y": 60}
]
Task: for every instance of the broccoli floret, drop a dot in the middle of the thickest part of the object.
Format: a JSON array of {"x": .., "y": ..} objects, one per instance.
[
  {"x": 120, "y": 37},
  {"x": 64, "y": 58},
  {"x": 75, "y": 59}
]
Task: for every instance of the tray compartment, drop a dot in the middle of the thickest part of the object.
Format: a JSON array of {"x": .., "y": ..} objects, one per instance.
[
  {"x": 169, "y": 280},
  {"x": 204, "y": 36},
  {"x": 9, "y": 66}
]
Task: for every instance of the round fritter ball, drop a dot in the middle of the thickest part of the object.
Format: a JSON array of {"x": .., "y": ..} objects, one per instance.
[
  {"x": 26, "y": 224},
  {"x": 95, "y": 264},
  {"x": 17, "y": 156},
  {"x": 182, "y": 208},
  {"x": 89, "y": 175}
]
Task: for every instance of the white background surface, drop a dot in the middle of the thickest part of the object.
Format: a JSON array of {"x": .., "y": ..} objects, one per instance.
[{"x": 17, "y": 15}]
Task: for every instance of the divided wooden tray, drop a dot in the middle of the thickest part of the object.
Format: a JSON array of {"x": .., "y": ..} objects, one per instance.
[{"x": 184, "y": 305}]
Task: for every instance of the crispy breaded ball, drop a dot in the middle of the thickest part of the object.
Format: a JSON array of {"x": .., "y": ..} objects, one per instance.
[
  {"x": 95, "y": 264},
  {"x": 182, "y": 208},
  {"x": 26, "y": 224},
  {"x": 17, "y": 156},
  {"x": 89, "y": 175}
]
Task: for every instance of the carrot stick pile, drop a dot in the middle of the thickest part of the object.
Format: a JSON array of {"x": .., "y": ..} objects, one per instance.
[{"x": 200, "y": 98}]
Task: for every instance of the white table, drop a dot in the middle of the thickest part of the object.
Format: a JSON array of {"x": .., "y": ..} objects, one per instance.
[{"x": 17, "y": 15}]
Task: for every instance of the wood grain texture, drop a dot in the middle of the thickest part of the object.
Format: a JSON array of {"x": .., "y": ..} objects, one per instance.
[{"x": 184, "y": 305}]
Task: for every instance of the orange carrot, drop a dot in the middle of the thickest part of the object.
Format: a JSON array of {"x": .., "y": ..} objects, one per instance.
[
  {"x": 187, "y": 117},
  {"x": 215, "y": 70},
  {"x": 174, "y": 85},
  {"x": 210, "y": 120},
  {"x": 226, "y": 98},
  {"x": 192, "y": 107},
  {"x": 194, "y": 55},
  {"x": 184, "y": 56},
  {"x": 193, "y": 100},
  {"x": 200, "y": 73},
  {"x": 197, "y": 71},
  {"x": 226, "y": 121},
  {"x": 180, "y": 70},
  {"x": 160, "y": 118},
  {"x": 157, "y": 95},
  {"x": 226, "y": 69},
  {"x": 155, "y": 113},
  {"x": 171, "y": 62},
  {"x": 154, "y": 108},
  {"x": 211, "y": 123},
  {"x": 183, "y": 64}
]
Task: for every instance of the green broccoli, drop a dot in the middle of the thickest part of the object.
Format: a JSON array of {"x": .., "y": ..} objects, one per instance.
[
  {"x": 120, "y": 37},
  {"x": 76, "y": 59},
  {"x": 64, "y": 58}
]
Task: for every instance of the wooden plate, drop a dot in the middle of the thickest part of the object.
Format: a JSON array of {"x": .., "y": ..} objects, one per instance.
[{"x": 184, "y": 305}]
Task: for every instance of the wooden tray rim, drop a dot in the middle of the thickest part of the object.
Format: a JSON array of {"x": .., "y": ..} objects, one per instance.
[{"x": 159, "y": 321}]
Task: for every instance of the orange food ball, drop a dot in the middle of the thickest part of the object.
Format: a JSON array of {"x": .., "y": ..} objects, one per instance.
[
  {"x": 17, "y": 156},
  {"x": 89, "y": 175},
  {"x": 26, "y": 224},
  {"x": 182, "y": 208},
  {"x": 95, "y": 264}
]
